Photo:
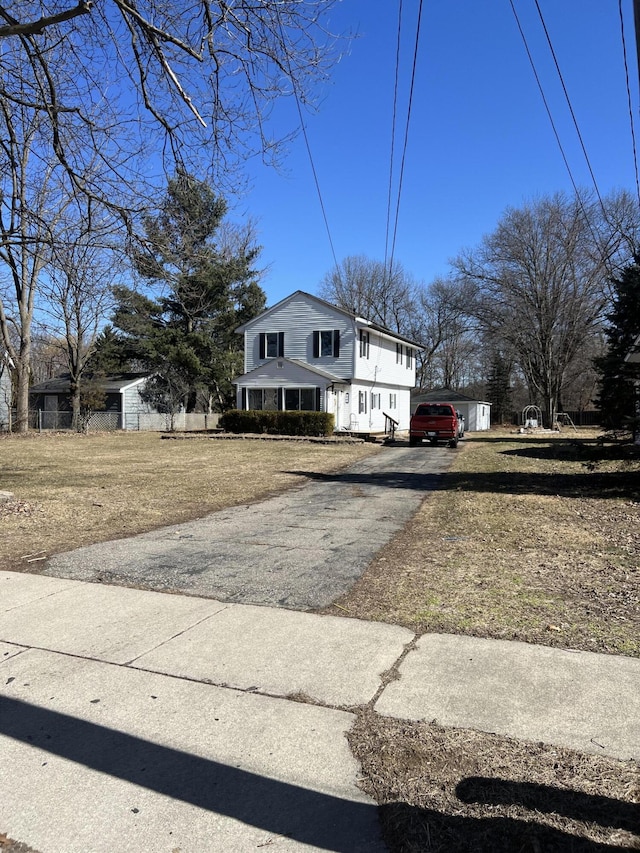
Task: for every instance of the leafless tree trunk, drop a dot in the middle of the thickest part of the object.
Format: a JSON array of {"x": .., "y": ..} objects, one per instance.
[
  {"x": 76, "y": 294},
  {"x": 29, "y": 209},
  {"x": 442, "y": 324}
]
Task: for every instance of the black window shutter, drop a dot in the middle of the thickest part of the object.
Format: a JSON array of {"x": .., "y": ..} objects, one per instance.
[
  {"x": 281, "y": 399},
  {"x": 244, "y": 399},
  {"x": 263, "y": 344},
  {"x": 318, "y": 400},
  {"x": 280, "y": 344},
  {"x": 336, "y": 342},
  {"x": 316, "y": 344}
]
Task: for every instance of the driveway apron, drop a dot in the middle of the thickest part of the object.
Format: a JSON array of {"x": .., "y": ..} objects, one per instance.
[{"x": 300, "y": 550}]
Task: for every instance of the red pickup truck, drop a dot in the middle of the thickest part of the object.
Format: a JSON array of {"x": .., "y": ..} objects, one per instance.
[{"x": 435, "y": 422}]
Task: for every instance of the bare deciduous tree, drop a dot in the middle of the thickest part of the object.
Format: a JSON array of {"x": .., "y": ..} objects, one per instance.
[
  {"x": 76, "y": 295},
  {"x": 367, "y": 288},
  {"x": 440, "y": 321},
  {"x": 185, "y": 81},
  {"x": 541, "y": 280},
  {"x": 29, "y": 211}
]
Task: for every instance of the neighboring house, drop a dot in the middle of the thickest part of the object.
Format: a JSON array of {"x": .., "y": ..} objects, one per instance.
[
  {"x": 5, "y": 394},
  {"x": 307, "y": 354},
  {"x": 476, "y": 413},
  {"x": 52, "y": 401}
]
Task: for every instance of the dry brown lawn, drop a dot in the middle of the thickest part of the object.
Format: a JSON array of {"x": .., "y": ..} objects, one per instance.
[
  {"x": 72, "y": 490},
  {"x": 535, "y": 538}
]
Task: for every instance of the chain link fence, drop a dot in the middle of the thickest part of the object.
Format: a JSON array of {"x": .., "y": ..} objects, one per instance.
[{"x": 42, "y": 419}]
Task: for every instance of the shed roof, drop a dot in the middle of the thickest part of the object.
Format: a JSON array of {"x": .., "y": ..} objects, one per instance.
[
  {"x": 443, "y": 395},
  {"x": 109, "y": 384}
]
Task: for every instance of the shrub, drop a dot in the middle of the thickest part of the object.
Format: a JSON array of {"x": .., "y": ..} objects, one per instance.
[{"x": 277, "y": 423}]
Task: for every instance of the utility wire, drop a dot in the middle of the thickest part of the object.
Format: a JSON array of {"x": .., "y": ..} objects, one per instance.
[
  {"x": 626, "y": 74},
  {"x": 553, "y": 125},
  {"x": 308, "y": 146},
  {"x": 393, "y": 136},
  {"x": 406, "y": 136},
  {"x": 573, "y": 115}
]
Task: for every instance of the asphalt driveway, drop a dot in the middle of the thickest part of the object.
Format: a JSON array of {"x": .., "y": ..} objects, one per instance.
[{"x": 299, "y": 550}]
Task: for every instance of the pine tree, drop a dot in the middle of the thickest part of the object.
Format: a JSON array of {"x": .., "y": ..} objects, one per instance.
[
  {"x": 617, "y": 396},
  {"x": 499, "y": 387},
  {"x": 203, "y": 285}
]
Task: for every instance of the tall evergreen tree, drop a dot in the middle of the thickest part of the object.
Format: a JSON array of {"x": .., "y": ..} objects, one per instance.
[
  {"x": 203, "y": 285},
  {"x": 499, "y": 387},
  {"x": 617, "y": 389}
]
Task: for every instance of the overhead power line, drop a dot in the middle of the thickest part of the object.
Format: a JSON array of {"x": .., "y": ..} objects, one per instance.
[
  {"x": 393, "y": 134},
  {"x": 406, "y": 135},
  {"x": 553, "y": 124},
  {"x": 308, "y": 147},
  {"x": 571, "y": 110},
  {"x": 631, "y": 122}
]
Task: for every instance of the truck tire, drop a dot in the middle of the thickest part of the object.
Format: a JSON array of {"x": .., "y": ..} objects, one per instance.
[
  {"x": 413, "y": 441},
  {"x": 453, "y": 442}
]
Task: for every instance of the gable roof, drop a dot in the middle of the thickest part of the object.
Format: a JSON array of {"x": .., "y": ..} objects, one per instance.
[
  {"x": 444, "y": 395},
  {"x": 109, "y": 384},
  {"x": 264, "y": 369},
  {"x": 376, "y": 327}
]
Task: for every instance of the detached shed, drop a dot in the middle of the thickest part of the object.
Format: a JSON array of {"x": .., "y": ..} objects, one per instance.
[
  {"x": 52, "y": 400},
  {"x": 476, "y": 413}
]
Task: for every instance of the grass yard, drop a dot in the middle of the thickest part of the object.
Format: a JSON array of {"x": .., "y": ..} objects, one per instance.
[
  {"x": 73, "y": 490},
  {"x": 530, "y": 537},
  {"x": 534, "y": 538}
]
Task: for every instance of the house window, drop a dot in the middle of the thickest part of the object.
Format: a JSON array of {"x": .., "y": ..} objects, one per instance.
[
  {"x": 393, "y": 401},
  {"x": 375, "y": 401},
  {"x": 364, "y": 344},
  {"x": 409, "y": 358},
  {"x": 302, "y": 399},
  {"x": 362, "y": 402},
  {"x": 271, "y": 344},
  {"x": 264, "y": 399},
  {"x": 326, "y": 343},
  {"x": 398, "y": 353}
]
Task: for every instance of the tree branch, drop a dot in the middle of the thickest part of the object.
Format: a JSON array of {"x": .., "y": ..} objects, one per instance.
[{"x": 15, "y": 28}]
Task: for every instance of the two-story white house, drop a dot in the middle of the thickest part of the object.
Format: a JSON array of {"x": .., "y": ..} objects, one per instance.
[{"x": 306, "y": 354}]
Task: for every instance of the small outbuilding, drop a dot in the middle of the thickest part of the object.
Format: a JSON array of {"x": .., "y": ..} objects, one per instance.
[
  {"x": 476, "y": 413},
  {"x": 50, "y": 402}
]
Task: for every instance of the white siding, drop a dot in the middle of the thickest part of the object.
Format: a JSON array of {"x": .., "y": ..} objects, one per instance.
[
  {"x": 381, "y": 365},
  {"x": 5, "y": 396},
  {"x": 382, "y": 373},
  {"x": 373, "y": 420},
  {"x": 298, "y": 319}
]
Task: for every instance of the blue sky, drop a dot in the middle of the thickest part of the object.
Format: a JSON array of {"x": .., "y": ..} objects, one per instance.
[{"x": 479, "y": 140}]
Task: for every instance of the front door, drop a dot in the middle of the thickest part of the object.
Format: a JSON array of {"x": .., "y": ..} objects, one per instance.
[{"x": 335, "y": 406}]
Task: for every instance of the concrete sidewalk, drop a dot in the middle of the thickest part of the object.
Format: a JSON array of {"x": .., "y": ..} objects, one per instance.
[{"x": 134, "y": 720}]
